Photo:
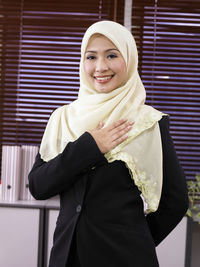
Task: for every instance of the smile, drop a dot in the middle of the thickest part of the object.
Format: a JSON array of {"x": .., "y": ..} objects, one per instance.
[{"x": 103, "y": 79}]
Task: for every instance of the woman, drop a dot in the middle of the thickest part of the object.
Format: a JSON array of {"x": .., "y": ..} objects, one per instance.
[{"x": 106, "y": 154}]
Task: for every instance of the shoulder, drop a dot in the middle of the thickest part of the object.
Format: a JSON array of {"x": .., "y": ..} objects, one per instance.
[
  {"x": 57, "y": 113},
  {"x": 164, "y": 122},
  {"x": 58, "y": 110},
  {"x": 166, "y": 137}
]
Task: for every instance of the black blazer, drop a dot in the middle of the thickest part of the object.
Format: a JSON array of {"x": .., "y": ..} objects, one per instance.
[{"x": 101, "y": 204}]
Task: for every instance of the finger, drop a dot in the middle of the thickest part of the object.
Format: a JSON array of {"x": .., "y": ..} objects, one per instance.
[
  {"x": 100, "y": 125},
  {"x": 121, "y": 131},
  {"x": 116, "y": 124},
  {"x": 123, "y": 128},
  {"x": 120, "y": 135},
  {"x": 118, "y": 141}
]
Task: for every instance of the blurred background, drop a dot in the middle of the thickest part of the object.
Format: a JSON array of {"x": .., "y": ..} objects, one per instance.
[{"x": 39, "y": 61}]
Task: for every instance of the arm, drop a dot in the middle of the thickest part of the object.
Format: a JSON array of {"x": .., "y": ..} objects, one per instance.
[
  {"x": 48, "y": 179},
  {"x": 174, "y": 199}
]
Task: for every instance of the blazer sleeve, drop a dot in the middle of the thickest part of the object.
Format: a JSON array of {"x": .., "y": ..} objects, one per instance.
[
  {"x": 174, "y": 198},
  {"x": 47, "y": 179}
]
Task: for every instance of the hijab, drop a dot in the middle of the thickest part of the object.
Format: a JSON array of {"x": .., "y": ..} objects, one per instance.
[{"x": 142, "y": 150}]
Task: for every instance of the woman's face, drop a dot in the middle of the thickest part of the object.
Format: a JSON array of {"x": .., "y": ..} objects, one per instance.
[{"x": 104, "y": 65}]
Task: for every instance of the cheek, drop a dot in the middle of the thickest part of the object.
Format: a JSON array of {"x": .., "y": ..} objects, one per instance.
[
  {"x": 121, "y": 70},
  {"x": 88, "y": 68}
]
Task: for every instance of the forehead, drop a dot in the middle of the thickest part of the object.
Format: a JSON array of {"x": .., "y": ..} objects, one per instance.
[{"x": 99, "y": 41}]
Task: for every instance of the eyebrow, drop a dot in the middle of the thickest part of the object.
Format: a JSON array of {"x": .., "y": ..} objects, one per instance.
[{"x": 108, "y": 50}]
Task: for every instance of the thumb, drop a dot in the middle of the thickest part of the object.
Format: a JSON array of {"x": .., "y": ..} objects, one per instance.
[{"x": 100, "y": 125}]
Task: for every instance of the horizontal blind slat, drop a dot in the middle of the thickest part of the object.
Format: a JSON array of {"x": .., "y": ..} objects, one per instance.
[
  {"x": 40, "y": 58},
  {"x": 168, "y": 40}
]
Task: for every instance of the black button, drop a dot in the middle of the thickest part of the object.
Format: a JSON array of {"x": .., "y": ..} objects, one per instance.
[{"x": 78, "y": 208}]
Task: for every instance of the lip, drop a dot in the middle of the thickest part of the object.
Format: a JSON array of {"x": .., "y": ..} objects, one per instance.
[{"x": 103, "y": 78}]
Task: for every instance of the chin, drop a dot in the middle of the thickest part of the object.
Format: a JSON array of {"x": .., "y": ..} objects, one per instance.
[{"x": 104, "y": 89}]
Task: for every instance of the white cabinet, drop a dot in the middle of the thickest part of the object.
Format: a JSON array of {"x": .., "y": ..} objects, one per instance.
[
  {"x": 172, "y": 251},
  {"x": 26, "y": 237},
  {"x": 52, "y": 217},
  {"x": 19, "y": 235}
]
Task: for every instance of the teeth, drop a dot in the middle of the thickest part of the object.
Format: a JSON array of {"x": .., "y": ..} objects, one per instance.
[{"x": 103, "y": 78}]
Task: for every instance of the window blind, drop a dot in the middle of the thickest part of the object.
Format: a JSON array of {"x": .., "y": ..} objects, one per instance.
[
  {"x": 40, "y": 56},
  {"x": 40, "y": 52},
  {"x": 168, "y": 40}
]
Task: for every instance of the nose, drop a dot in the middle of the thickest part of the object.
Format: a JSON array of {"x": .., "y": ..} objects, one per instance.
[{"x": 101, "y": 65}]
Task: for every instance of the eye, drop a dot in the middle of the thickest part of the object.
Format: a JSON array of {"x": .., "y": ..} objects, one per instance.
[
  {"x": 90, "y": 57},
  {"x": 112, "y": 56}
]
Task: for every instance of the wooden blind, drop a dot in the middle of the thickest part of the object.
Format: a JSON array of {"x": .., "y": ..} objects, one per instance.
[
  {"x": 168, "y": 38},
  {"x": 40, "y": 53}
]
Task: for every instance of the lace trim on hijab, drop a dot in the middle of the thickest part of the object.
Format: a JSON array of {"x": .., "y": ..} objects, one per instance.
[{"x": 145, "y": 184}]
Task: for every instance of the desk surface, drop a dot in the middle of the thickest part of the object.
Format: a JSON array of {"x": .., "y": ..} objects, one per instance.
[{"x": 52, "y": 203}]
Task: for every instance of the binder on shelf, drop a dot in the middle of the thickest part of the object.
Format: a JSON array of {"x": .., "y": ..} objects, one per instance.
[
  {"x": 10, "y": 172},
  {"x": 27, "y": 159},
  {"x": 16, "y": 164}
]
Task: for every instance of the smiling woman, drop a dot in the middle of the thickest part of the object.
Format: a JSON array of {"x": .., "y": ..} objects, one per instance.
[
  {"x": 104, "y": 65},
  {"x": 104, "y": 154}
]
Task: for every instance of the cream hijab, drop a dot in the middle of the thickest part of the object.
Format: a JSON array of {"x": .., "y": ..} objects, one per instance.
[{"x": 142, "y": 151}]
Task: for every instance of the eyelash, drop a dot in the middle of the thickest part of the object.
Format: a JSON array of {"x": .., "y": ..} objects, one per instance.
[
  {"x": 109, "y": 56},
  {"x": 90, "y": 57},
  {"x": 112, "y": 56}
]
